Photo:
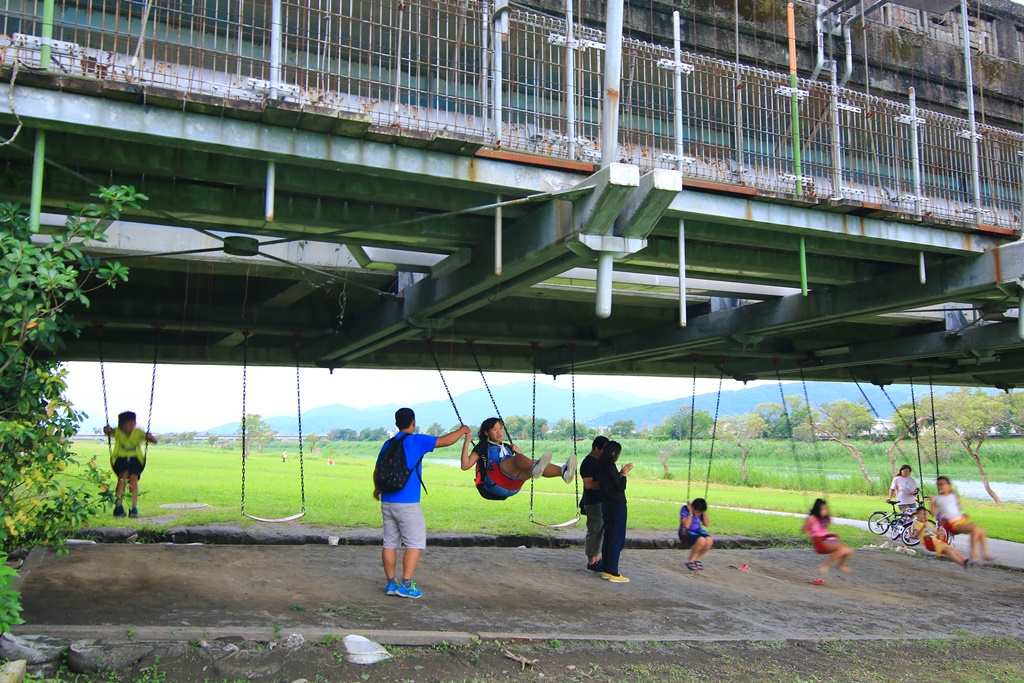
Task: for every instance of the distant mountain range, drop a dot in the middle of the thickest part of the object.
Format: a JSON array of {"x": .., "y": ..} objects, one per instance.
[{"x": 554, "y": 403}]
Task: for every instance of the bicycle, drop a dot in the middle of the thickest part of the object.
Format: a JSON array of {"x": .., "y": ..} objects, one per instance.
[
  {"x": 880, "y": 521},
  {"x": 898, "y": 523}
]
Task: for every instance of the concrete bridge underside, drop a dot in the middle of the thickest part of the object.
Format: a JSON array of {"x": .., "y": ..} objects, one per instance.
[{"x": 372, "y": 249}]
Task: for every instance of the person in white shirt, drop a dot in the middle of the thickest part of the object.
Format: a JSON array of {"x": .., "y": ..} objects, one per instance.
[
  {"x": 904, "y": 489},
  {"x": 946, "y": 507}
]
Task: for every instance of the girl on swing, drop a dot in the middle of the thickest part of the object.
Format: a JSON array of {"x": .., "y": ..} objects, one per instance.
[
  {"x": 504, "y": 467},
  {"x": 826, "y": 543}
]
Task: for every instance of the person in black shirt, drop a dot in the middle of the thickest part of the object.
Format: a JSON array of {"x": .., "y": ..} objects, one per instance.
[
  {"x": 613, "y": 508},
  {"x": 590, "y": 504}
]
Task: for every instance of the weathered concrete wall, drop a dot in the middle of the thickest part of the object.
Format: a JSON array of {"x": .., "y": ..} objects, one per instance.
[{"x": 898, "y": 58}]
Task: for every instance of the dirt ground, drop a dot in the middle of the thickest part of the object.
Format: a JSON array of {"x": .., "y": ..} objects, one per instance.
[{"x": 541, "y": 603}]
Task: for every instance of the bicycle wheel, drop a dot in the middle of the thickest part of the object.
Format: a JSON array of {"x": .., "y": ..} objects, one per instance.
[
  {"x": 878, "y": 522},
  {"x": 909, "y": 537}
]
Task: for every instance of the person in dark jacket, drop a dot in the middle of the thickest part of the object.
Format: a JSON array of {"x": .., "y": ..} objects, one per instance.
[{"x": 613, "y": 508}]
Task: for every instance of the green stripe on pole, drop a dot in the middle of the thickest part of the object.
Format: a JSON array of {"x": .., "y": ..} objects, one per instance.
[
  {"x": 47, "y": 35},
  {"x": 803, "y": 265}
]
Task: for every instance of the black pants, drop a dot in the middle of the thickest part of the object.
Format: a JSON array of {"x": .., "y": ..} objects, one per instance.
[{"x": 614, "y": 514}]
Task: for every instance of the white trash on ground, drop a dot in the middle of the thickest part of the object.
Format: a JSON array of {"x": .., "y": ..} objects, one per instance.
[{"x": 364, "y": 651}]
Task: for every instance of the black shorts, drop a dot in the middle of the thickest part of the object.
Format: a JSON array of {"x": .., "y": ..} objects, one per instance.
[{"x": 129, "y": 465}]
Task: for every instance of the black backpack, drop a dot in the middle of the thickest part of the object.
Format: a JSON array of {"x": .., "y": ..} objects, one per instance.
[{"x": 392, "y": 473}]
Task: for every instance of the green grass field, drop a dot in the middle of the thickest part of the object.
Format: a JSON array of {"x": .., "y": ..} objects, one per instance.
[{"x": 339, "y": 495}]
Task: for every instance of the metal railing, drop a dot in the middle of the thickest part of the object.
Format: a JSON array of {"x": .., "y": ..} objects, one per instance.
[{"x": 517, "y": 79}]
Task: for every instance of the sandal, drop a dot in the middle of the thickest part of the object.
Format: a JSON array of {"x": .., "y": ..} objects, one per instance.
[
  {"x": 700, "y": 566},
  {"x": 818, "y": 582},
  {"x": 692, "y": 566}
]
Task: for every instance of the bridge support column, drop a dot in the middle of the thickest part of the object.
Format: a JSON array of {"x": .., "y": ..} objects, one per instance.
[{"x": 35, "y": 205}]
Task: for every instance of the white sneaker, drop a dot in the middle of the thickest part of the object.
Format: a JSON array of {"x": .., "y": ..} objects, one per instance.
[
  {"x": 569, "y": 469},
  {"x": 538, "y": 467}
]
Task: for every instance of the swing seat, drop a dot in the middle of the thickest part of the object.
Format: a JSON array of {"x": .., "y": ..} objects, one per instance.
[
  {"x": 562, "y": 525},
  {"x": 488, "y": 495},
  {"x": 274, "y": 521}
]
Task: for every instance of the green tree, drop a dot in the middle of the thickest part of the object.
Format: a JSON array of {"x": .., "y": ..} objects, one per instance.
[
  {"x": 843, "y": 421},
  {"x": 40, "y": 502},
  {"x": 257, "y": 434},
  {"x": 562, "y": 430},
  {"x": 312, "y": 440},
  {"x": 677, "y": 425},
  {"x": 966, "y": 416},
  {"x": 622, "y": 429},
  {"x": 745, "y": 430},
  {"x": 212, "y": 439},
  {"x": 435, "y": 429}
]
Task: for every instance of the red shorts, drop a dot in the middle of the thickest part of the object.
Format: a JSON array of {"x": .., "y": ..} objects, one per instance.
[{"x": 826, "y": 545}]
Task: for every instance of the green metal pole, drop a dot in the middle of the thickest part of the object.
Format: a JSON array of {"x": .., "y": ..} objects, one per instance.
[
  {"x": 44, "y": 52},
  {"x": 795, "y": 104},
  {"x": 35, "y": 205},
  {"x": 803, "y": 267}
]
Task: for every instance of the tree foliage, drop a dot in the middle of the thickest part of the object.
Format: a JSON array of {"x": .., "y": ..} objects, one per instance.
[
  {"x": 677, "y": 425},
  {"x": 46, "y": 491},
  {"x": 967, "y": 416},
  {"x": 258, "y": 434}
]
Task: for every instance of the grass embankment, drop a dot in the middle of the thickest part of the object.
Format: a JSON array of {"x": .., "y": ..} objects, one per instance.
[{"x": 339, "y": 495}]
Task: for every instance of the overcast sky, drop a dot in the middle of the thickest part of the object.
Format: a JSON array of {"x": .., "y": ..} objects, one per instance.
[{"x": 200, "y": 396}]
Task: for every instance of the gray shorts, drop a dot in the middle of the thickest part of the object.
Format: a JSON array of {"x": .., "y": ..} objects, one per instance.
[{"x": 404, "y": 526}]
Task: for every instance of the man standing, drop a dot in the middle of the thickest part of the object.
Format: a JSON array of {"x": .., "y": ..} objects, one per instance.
[
  {"x": 591, "y": 503},
  {"x": 404, "y": 524}
]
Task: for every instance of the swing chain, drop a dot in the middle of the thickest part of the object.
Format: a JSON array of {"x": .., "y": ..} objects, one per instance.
[
  {"x": 152, "y": 385},
  {"x": 472, "y": 351},
  {"x": 433, "y": 355},
  {"x": 693, "y": 405},
  {"x": 298, "y": 406},
  {"x": 245, "y": 365},
  {"x": 789, "y": 429},
  {"x": 103, "y": 383},
  {"x": 575, "y": 455},
  {"x": 917, "y": 427},
  {"x": 813, "y": 434},
  {"x": 533, "y": 424},
  {"x": 935, "y": 432},
  {"x": 714, "y": 433}
]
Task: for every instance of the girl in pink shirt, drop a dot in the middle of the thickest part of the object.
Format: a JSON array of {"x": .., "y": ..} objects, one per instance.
[{"x": 824, "y": 542}]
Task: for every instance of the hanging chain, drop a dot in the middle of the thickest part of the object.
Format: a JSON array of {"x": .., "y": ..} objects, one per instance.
[
  {"x": 572, "y": 370},
  {"x": 103, "y": 383},
  {"x": 430, "y": 347},
  {"x": 245, "y": 365},
  {"x": 813, "y": 435},
  {"x": 533, "y": 423},
  {"x": 935, "y": 431},
  {"x": 343, "y": 301},
  {"x": 867, "y": 400},
  {"x": 789, "y": 432},
  {"x": 494, "y": 403},
  {"x": 714, "y": 432},
  {"x": 917, "y": 427},
  {"x": 693, "y": 405},
  {"x": 298, "y": 406},
  {"x": 152, "y": 386}
]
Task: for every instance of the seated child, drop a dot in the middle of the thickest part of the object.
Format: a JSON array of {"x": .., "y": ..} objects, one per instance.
[
  {"x": 693, "y": 517},
  {"x": 825, "y": 543},
  {"x": 502, "y": 468},
  {"x": 946, "y": 506},
  {"x": 127, "y": 459},
  {"x": 929, "y": 536}
]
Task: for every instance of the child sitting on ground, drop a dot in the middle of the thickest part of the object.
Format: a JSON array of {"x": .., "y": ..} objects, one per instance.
[
  {"x": 127, "y": 459},
  {"x": 693, "y": 517},
  {"x": 505, "y": 468},
  {"x": 825, "y": 543},
  {"x": 929, "y": 536}
]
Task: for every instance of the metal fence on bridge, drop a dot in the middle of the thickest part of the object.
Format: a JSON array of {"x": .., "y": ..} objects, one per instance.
[{"x": 525, "y": 81}]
